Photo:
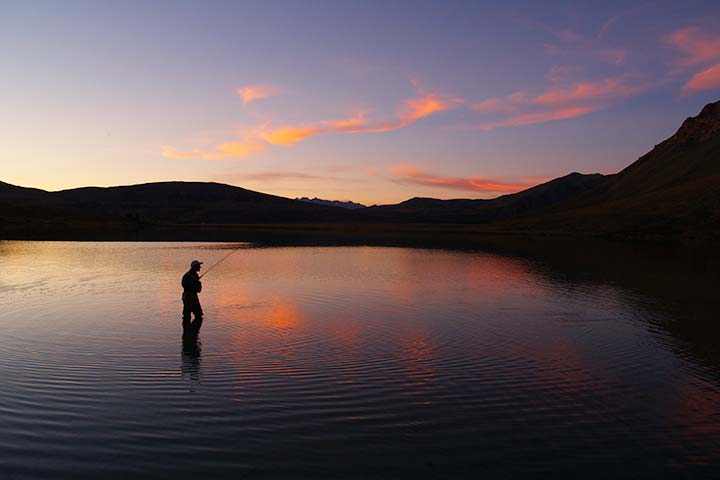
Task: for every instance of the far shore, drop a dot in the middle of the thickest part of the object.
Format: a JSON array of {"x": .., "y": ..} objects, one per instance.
[{"x": 331, "y": 233}]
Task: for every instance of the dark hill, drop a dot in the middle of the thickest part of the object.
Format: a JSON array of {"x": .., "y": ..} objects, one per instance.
[
  {"x": 672, "y": 190},
  {"x": 430, "y": 210},
  {"x": 13, "y": 193},
  {"x": 37, "y": 213},
  {"x": 193, "y": 202}
]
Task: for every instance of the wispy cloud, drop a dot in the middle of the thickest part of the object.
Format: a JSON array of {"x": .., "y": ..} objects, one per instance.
[
  {"x": 563, "y": 34},
  {"x": 250, "y": 93},
  {"x": 607, "y": 89},
  {"x": 493, "y": 106},
  {"x": 698, "y": 46},
  {"x": 585, "y": 45},
  {"x": 606, "y": 26},
  {"x": 223, "y": 151},
  {"x": 286, "y": 136},
  {"x": 555, "y": 113},
  {"x": 561, "y": 73},
  {"x": 707, "y": 79},
  {"x": 559, "y": 102},
  {"x": 409, "y": 174},
  {"x": 260, "y": 137},
  {"x": 278, "y": 176}
]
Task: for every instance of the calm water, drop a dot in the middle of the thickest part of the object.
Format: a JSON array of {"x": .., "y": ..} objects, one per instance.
[{"x": 357, "y": 362}]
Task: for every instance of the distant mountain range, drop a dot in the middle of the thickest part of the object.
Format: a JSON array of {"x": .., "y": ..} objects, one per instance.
[
  {"x": 538, "y": 198},
  {"x": 672, "y": 190},
  {"x": 333, "y": 203}
]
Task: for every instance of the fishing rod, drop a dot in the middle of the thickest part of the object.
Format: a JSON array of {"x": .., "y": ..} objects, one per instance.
[{"x": 221, "y": 260}]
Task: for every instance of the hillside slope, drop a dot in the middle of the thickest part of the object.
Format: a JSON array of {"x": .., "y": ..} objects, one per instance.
[
  {"x": 535, "y": 199},
  {"x": 35, "y": 212},
  {"x": 672, "y": 190},
  {"x": 195, "y": 202}
]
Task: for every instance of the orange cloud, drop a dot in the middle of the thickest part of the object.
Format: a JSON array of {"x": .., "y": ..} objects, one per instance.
[
  {"x": 287, "y": 136},
  {"x": 349, "y": 125},
  {"x": 417, "y": 108},
  {"x": 258, "y": 138},
  {"x": 411, "y": 111},
  {"x": 223, "y": 151},
  {"x": 707, "y": 79},
  {"x": 699, "y": 46},
  {"x": 409, "y": 174},
  {"x": 251, "y": 93}
]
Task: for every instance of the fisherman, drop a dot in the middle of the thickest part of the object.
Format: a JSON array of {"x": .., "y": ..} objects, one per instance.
[{"x": 191, "y": 287}]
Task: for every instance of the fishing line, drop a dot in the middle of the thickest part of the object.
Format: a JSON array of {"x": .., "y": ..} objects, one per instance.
[{"x": 221, "y": 260}]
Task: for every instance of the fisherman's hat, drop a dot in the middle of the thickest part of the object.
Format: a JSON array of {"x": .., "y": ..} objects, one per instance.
[{"x": 195, "y": 263}]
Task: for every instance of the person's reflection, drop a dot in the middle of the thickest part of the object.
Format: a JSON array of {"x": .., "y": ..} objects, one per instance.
[{"x": 191, "y": 348}]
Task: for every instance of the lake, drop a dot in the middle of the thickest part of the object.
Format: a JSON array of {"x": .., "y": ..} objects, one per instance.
[{"x": 497, "y": 361}]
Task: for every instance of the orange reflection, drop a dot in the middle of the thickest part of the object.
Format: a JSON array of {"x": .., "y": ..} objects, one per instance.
[{"x": 283, "y": 314}]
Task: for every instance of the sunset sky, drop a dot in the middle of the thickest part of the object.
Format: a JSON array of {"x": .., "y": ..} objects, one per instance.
[{"x": 371, "y": 101}]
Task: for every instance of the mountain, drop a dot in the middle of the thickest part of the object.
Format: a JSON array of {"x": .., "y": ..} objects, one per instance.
[
  {"x": 672, "y": 190},
  {"x": 194, "y": 202},
  {"x": 32, "y": 211},
  {"x": 14, "y": 193},
  {"x": 334, "y": 203},
  {"x": 429, "y": 210}
]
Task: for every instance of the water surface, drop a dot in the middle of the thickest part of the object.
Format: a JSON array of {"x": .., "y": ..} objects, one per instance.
[{"x": 356, "y": 362}]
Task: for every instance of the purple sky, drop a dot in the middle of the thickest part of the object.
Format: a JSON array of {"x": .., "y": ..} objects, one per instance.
[{"x": 375, "y": 102}]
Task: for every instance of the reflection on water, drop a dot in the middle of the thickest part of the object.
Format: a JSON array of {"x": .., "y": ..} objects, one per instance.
[
  {"x": 191, "y": 348},
  {"x": 514, "y": 359}
]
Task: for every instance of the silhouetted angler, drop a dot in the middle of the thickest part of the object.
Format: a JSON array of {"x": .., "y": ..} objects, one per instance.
[{"x": 191, "y": 287}]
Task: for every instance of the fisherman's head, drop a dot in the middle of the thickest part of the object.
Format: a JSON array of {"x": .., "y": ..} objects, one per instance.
[{"x": 195, "y": 265}]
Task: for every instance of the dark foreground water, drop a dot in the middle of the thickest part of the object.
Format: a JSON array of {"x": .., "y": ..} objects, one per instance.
[{"x": 358, "y": 362}]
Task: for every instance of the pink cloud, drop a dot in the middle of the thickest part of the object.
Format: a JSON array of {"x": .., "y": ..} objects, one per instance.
[
  {"x": 277, "y": 176},
  {"x": 588, "y": 91},
  {"x": 584, "y": 46},
  {"x": 559, "y": 102},
  {"x": 707, "y": 79},
  {"x": 606, "y": 26},
  {"x": 493, "y": 105},
  {"x": 251, "y": 93},
  {"x": 410, "y": 174},
  {"x": 556, "y": 113},
  {"x": 560, "y": 73},
  {"x": 615, "y": 56},
  {"x": 698, "y": 45},
  {"x": 564, "y": 34}
]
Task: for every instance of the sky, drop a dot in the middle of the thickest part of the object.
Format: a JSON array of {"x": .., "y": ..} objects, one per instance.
[{"x": 370, "y": 101}]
